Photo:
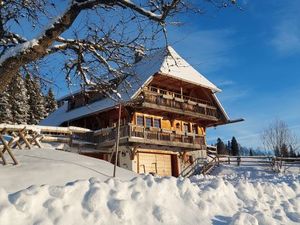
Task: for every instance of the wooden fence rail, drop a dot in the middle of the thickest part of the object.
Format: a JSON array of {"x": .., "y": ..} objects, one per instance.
[
  {"x": 28, "y": 136},
  {"x": 276, "y": 163}
]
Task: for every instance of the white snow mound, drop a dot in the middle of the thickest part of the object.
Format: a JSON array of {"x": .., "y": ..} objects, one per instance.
[{"x": 154, "y": 200}]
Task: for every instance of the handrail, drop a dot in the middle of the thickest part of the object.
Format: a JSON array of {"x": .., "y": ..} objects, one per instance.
[
  {"x": 174, "y": 94},
  {"x": 209, "y": 166},
  {"x": 189, "y": 170},
  {"x": 134, "y": 131},
  {"x": 158, "y": 99}
]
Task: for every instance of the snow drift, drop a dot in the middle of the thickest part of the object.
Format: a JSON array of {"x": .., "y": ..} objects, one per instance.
[{"x": 155, "y": 200}]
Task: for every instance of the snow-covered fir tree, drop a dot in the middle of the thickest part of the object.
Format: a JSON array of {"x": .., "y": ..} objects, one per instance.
[
  {"x": 36, "y": 102},
  {"x": 50, "y": 102},
  {"x": 5, "y": 108},
  {"x": 19, "y": 100}
]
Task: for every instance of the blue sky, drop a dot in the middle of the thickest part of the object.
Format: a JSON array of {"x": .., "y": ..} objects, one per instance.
[{"x": 253, "y": 55}]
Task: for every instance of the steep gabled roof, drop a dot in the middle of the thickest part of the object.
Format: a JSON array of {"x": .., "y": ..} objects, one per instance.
[
  {"x": 166, "y": 62},
  {"x": 175, "y": 66}
]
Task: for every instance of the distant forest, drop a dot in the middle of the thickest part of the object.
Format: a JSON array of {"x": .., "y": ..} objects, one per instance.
[{"x": 232, "y": 147}]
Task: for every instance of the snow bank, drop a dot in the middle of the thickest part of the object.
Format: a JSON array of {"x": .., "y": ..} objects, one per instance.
[{"x": 154, "y": 200}]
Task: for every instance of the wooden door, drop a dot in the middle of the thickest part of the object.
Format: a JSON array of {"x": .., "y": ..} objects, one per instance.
[{"x": 159, "y": 164}]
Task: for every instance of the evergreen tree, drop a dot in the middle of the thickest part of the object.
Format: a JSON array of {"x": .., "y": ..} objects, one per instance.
[
  {"x": 221, "y": 148},
  {"x": 234, "y": 147},
  {"x": 228, "y": 147},
  {"x": 5, "y": 108},
  {"x": 19, "y": 100},
  {"x": 292, "y": 152},
  {"x": 277, "y": 151},
  {"x": 251, "y": 152},
  {"x": 36, "y": 102},
  {"x": 51, "y": 104}
]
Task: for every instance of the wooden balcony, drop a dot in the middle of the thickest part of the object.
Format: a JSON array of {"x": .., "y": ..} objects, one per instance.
[
  {"x": 181, "y": 105},
  {"x": 153, "y": 136}
]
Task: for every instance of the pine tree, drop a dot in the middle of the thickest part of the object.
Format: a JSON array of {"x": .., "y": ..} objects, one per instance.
[
  {"x": 5, "y": 108},
  {"x": 19, "y": 100},
  {"x": 221, "y": 148},
  {"x": 234, "y": 147},
  {"x": 36, "y": 102},
  {"x": 251, "y": 152},
  {"x": 50, "y": 102},
  {"x": 228, "y": 147},
  {"x": 277, "y": 151},
  {"x": 292, "y": 152}
]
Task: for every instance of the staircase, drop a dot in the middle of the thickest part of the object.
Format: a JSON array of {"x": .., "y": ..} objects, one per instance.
[
  {"x": 203, "y": 165},
  {"x": 194, "y": 168},
  {"x": 213, "y": 160}
]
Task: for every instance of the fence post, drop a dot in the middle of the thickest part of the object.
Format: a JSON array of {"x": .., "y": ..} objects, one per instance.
[{"x": 238, "y": 160}]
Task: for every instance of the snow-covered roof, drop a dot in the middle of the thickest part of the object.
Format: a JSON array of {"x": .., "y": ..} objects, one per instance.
[
  {"x": 166, "y": 62},
  {"x": 175, "y": 66}
]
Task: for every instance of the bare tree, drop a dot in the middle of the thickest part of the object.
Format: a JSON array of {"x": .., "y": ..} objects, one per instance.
[
  {"x": 278, "y": 137},
  {"x": 90, "y": 37}
]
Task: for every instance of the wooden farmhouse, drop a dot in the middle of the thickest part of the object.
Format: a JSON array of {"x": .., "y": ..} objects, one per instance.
[{"x": 166, "y": 108}]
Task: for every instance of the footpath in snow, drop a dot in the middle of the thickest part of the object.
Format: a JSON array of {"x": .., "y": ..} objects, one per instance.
[{"x": 228, "y": 198}]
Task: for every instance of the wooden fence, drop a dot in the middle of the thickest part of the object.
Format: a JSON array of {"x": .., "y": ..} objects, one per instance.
[
  {"x": 276, "y": 163},
  {"x": 28, "y": 136}
]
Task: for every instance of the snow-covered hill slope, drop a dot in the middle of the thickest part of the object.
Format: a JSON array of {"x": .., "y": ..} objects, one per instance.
[
  {"x": 49, "y": 166},
  {"x": 236, "y": 198}
]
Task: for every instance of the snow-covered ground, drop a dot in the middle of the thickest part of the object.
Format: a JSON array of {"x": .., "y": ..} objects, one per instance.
[
  {"x": 244, "y": 195},
  {"x": 53, "y": 167}
]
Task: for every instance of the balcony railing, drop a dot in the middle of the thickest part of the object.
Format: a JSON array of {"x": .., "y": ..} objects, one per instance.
[
  {"x": 151, "y": 135},
  {"x": 183, "y": 103}
]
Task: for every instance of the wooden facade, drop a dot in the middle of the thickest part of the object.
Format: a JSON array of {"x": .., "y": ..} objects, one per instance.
[{"x": 161, "y": 130}]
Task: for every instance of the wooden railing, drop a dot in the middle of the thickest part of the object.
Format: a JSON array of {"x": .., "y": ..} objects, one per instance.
[
  {"x": 147, "y": 134},
  {"x": 213, "y": 160},
  {"x": 29, "y": 136},
  {"x": 193, "y": 168},
  {"x": 177, "y": 95},
  {"x": 183, "y": 103}
]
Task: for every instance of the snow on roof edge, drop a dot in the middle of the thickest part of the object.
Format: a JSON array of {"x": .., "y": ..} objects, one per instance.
[{"x": 221, "y": 107}]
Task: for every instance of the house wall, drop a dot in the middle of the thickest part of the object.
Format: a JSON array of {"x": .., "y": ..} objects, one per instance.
[{"x": 125, "y": 159}]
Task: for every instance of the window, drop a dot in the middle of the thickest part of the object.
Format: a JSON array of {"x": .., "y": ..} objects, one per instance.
[
  {"x": 186, "y": 127},
  {"x": 177, "y": 95},
  {"x": 153, "y": 89},
  {"x": 163, "y": 92},
  {"x": 140, "y": 120},
  {"x": 156, "y": 123},
  {"x": 148, "y": 122},
  {"x": 195, "y": 129}
]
